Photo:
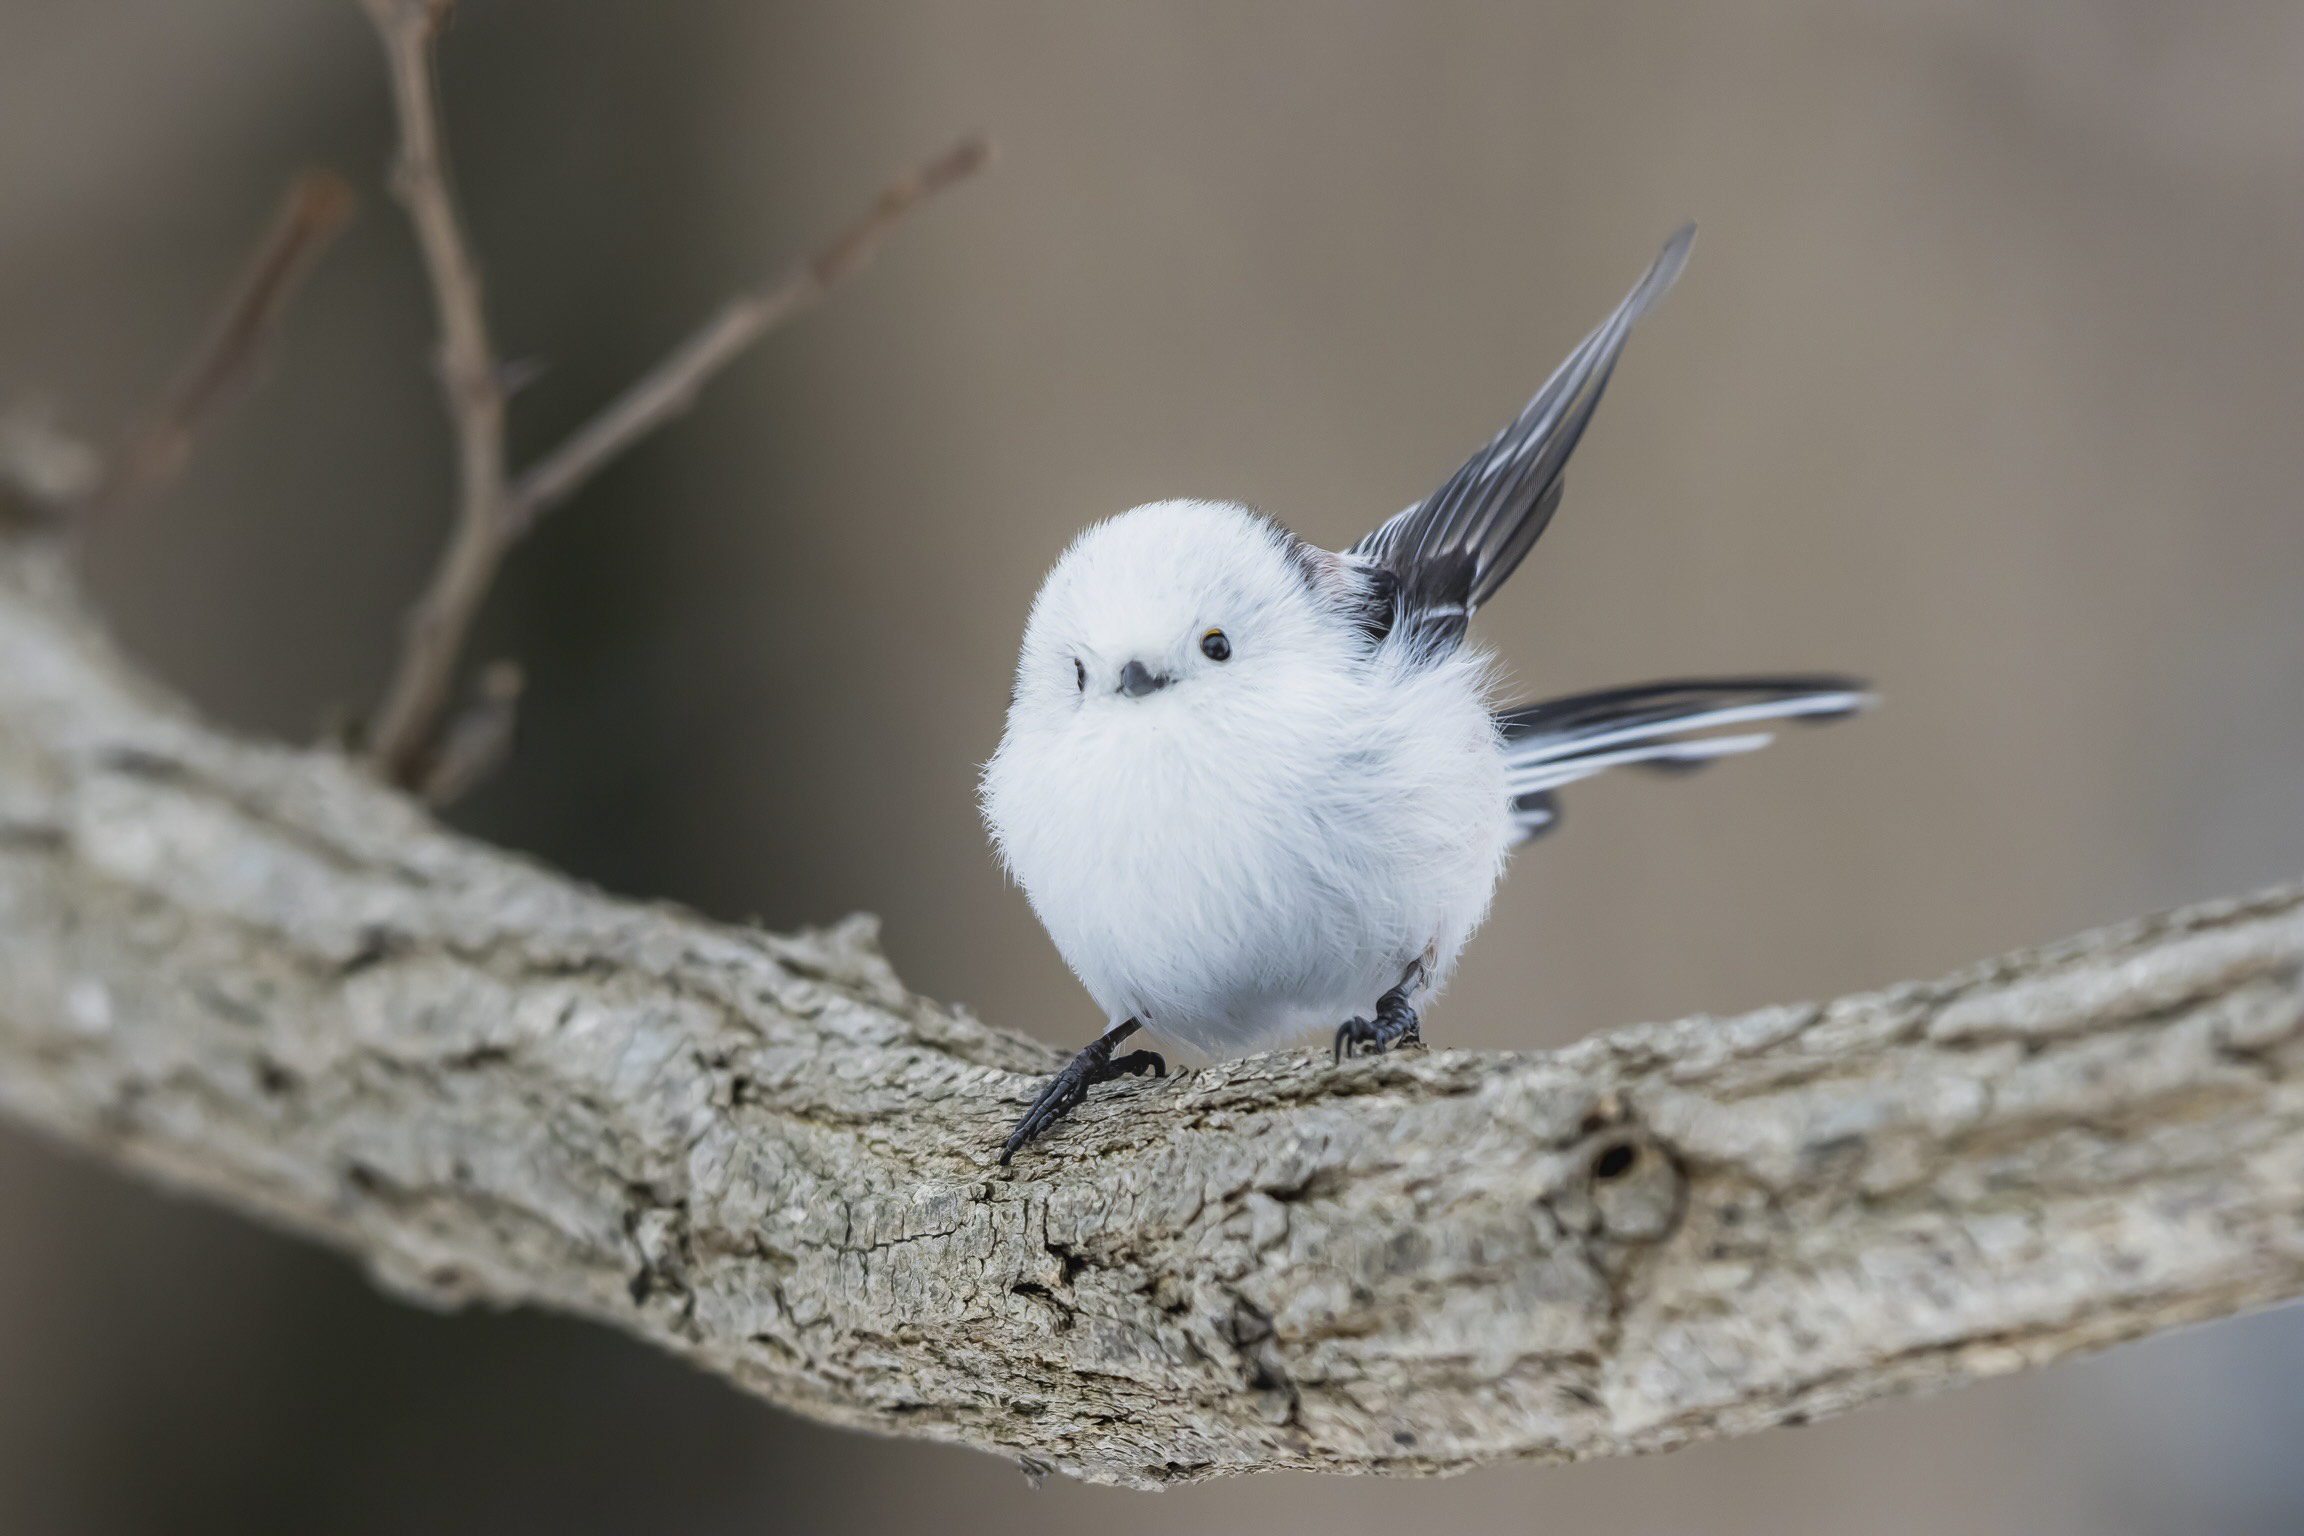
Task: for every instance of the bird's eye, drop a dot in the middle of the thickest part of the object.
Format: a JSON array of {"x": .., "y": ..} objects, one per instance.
[
  {"x": 1215, "y": 647},
  {"x": 1079, "y": 675}
]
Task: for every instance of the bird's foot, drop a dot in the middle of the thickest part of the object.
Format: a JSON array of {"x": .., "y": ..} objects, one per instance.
[
  {"x": 1395, "y": 1022},
  {"x": 1067, "y": 1088}
]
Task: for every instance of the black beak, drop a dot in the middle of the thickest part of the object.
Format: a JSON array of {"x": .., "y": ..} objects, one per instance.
[{"x": 1137, "y": 680}]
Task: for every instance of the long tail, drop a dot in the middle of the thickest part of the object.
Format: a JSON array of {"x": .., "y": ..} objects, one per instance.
[{"x": 1672, "y": 726}]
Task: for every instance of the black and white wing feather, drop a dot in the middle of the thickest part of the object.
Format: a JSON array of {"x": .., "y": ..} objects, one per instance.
[
  {"x": 1674, "y": 725},
  {"x": 1437, "y": 562}
]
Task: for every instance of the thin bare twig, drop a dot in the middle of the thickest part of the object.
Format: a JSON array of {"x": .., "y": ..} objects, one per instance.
[
  {"x": 318, "y": 206},
  {"x": 493, "y": 512},
  {"x": 407, "y": 720},
  {"x": 671, "y": 386}
]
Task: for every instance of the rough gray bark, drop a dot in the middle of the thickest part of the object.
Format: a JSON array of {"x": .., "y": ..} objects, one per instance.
[{"x": 254, "y": 973}]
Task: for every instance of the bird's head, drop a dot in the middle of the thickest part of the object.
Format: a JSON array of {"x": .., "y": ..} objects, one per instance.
[{"x": 1172, "y": 602}]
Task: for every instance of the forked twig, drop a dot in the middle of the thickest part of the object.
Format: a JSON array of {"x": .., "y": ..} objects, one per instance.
[
  {"x": 493, "y": 510},
  {"x": 408, "y": 718}
]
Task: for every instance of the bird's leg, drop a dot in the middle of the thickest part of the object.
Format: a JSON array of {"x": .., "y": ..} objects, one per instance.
[
  {"x": 1067, "y": 1088},
  {"x": 1395, "y": 1020}
]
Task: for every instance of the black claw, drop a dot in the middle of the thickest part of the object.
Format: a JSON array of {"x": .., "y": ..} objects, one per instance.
[
  {"x": 1137, "y": 1063},
  {"x": 1394, "y": 1023},
  {"x": 1067, "y": 1088}
]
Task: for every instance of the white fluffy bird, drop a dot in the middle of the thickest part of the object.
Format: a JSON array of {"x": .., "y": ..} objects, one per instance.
[{"x": 1254, "y": 788}]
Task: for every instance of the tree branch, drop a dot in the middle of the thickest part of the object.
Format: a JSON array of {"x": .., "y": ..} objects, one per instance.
[{"x": 254, "y": 973}]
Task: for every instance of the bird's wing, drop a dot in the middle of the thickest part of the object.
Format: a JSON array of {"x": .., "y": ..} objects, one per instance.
[
  {"x": 1675, "y": 725},
  {"x": 1445, "y": 556}
]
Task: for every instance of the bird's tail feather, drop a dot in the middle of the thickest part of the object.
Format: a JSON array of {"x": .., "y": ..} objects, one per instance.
[{"x": 1670, "y": 726}]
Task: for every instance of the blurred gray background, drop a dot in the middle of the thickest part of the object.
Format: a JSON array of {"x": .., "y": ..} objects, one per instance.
[{"x": 1987, "y": 380}]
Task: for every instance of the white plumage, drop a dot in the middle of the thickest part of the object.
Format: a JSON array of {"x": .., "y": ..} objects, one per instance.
[{"x": 1264, "y": 845}]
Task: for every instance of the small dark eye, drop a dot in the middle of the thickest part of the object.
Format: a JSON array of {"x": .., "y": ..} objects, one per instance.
[
  {"x": 1215, "y": 647},
  {"x": 1079, "y": 675}
]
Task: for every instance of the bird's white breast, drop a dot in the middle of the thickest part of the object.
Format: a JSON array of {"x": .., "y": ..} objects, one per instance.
[{"x": 1237, "y": 865}]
